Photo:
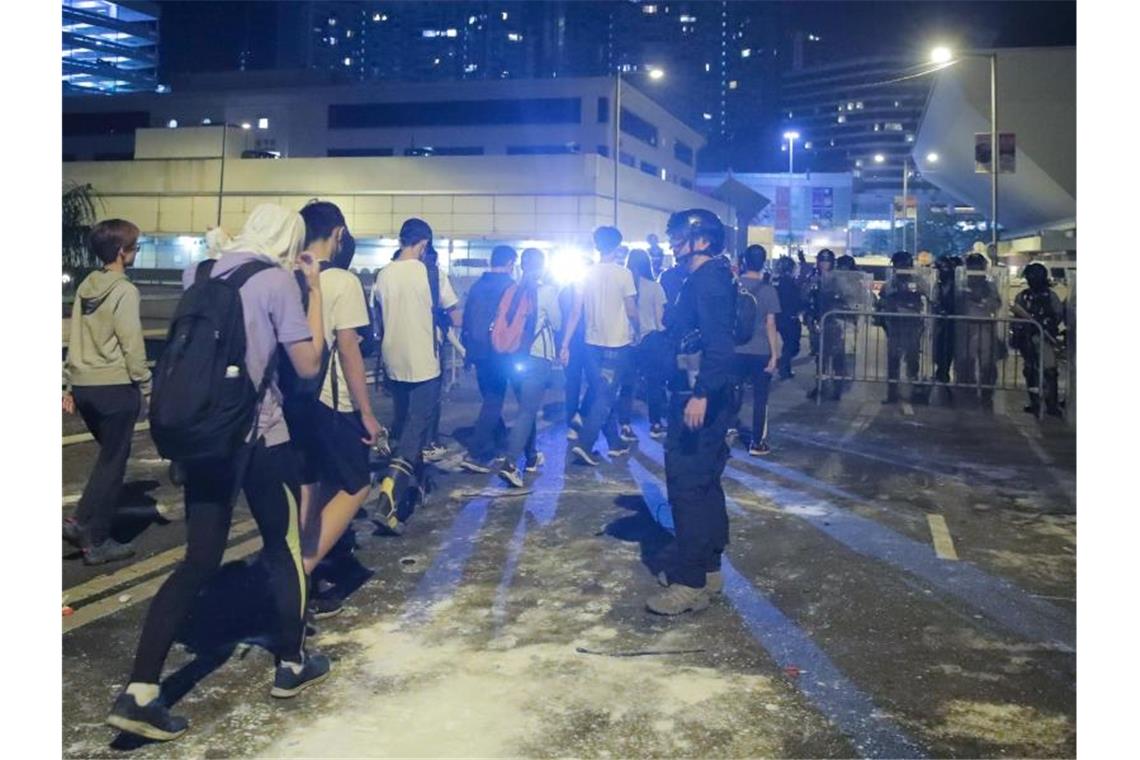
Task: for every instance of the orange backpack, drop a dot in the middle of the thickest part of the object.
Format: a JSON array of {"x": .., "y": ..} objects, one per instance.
[{"x": 514, "y": 321}]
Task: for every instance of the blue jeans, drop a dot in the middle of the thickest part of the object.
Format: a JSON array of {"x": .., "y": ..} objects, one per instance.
[
  {"x": 529, "y": 376},
  {"x": 606, "y": 370}
]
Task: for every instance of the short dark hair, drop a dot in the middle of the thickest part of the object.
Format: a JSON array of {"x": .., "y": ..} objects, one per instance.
[
  {"x": 754, "y": 258},
  {"x": 503, "y": 256},
  {"x": 607, "y": 239},
  {"x": 321, "y": 218},
  {"x": 110, "y": 236},
  {"x": 413, "y": 231}
]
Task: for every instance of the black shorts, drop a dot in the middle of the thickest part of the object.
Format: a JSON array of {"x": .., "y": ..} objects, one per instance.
[{"x": 328, "y": 445}]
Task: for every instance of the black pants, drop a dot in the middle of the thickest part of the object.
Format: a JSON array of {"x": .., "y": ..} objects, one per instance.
[
  {"x": 652, "y": 360},
  {"x": 574, "y": 374},
  {"x": 790, "y": 333},
  {"x": 606, "y": 370},
  {"x": 273, "y": 493},
  {"x": 109, "y": 412},
  {"x": 491, "y": 375},
  {"x": 694, "y": 464},
  {"x": 751, "y": 368},
  {"x": 944, "y": 350},
  {"x": 416, "y": 406},
  {"x": 903, "y": 344}
]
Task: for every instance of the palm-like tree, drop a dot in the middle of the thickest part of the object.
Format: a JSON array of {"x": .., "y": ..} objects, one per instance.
[{"x": 78, "y": 216}]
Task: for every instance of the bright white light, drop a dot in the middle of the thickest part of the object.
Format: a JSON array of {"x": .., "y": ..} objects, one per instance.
[
  {"x": 452, "y": 33},
  {"x": 505, "y": 17},
  {"x": 941, "y": 55},
  {"x": 347, "y": 61},
  {"x": 656, "y": 74},
  {"x": 708, "y": 116},
  {"x": 880, "y": 158},
  {"x": 66, "y": 278},
  {"x": 568, "y": 265},
  {"x": 263, "y": 123},
  {"x": 207, "y": 122},
  {"x": 246, "y": 125},
  {"x": 932, "y": 157},
  {"x": 793, "y": 136},
  {"x": 746, "y": 53},
  {"x": 172, "y": 123},
  {"x": 375, "y": 16},
  {"x": 470, "y": 67},
  {"x": 514, "y": 37},
  {"x": 187, "y": 241},
  {"x": 471, "y": 20}
]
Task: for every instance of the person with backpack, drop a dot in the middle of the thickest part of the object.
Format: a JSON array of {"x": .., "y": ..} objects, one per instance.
[
  {"x": 415, "y": 301},
  {"x": 490, "y": 368},
  {"x": 702, "y": 326},
  {"x": 331, "y": 420},
  {"x": 524, "y": 333},
  {"x": 607, "y": 302},
  {"x": 106, "y": 379},
  {"x": 217, "y": 410},
  {"x": 758, "y": 359},
  {"x": 652, "y": 357}
]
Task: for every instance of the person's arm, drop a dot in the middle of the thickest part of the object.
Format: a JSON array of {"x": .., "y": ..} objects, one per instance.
[
  {"x": 305, "y": 355},
  {"x": 128, "y": 331},
  {"x": 449, "y": 302},
  {"x": 773, "y": 342},
  {"x": 571, "y": 326},
  {"x": 352, "y": 362}
]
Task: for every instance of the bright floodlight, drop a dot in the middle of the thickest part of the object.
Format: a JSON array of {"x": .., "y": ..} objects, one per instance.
[
  {"x": 932, "y": 157},
  {"x": 880, "y": 158},
  {"x": 568, "y": 265},
  {"x": 791, "y": 135},
  {"x": 941, "y": 55},
  {"x": 656, "y": 73}
]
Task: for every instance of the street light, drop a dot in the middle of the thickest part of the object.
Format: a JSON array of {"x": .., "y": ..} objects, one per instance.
[
  {"x": 656, "y": 75},
  {"x": 943, "y": 54},
  {"x": 932, "y": 158},
  {"x": 791, "y": 137},
  {"x": 880, "y": 158}
]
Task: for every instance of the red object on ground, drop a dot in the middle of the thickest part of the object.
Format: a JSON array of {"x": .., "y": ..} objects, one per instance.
[{"x": 792, "y": 671}]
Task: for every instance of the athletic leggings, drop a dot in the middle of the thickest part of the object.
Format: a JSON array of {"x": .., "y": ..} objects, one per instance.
[{"x": 273, "y": 493}]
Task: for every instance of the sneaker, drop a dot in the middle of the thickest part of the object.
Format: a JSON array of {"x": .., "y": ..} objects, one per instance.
[
  {"x": 434, "y": 452},
  {"x": 627, "y": 434},
  {"x": 108, "y": 551},
  {"x": 619, "y": 451},
  {"x": 571, "y": 434},
  {"x": 471, "y": 464},
  {"x": 731, "y": 436},
  {"x": 288, "y": 683},
  {"x": 150, "y": 721},
  {"x": 657, "y": 431},
  {"x": 539, "y": 460},
  {"x": 576, "y": 421},
  {"x": 583, "y": 457},
  {"x": 511, "y": 476},
  {"x": 321, "y": 607},
  {"x": 678, "y": 599},
  {"x": 761, "y": 449},
  {"x": 714, "y": 582},
  {"x": 72, "y": 532},
  {"x": 386, "y": 505}
]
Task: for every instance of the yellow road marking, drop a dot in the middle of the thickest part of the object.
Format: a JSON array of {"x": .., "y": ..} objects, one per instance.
[
  {"x": 144, "y": 591},
  {"x": 943, "y": 544},
  {"x": 95, "y": 586}
]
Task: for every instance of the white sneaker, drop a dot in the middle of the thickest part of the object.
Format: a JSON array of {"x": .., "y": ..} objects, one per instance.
[
  {"x": 678, "y": 599},
  {"x": 538, "y": 461}
]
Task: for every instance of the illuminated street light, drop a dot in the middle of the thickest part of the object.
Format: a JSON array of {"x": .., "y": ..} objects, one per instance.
[
  {"x": 656, "y": 74},
  {"x": 880, "y": 158},
  {"x": 791, "y": 136},
  {"x": 941, "y": 54},
  {"x": 932, "y": 158}
]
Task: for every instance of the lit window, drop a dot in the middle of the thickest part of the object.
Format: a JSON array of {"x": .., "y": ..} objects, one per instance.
[
  {"x": 841, "y": 119},
  {"x": 708, "y": 116},
  {"x": 839, "y": 107},
  {"x": 263, "y": 123},
  {"x": 664, "y": 175},
  {"x": 471, "y": 20},
  {"x": 332, "y": 41},
  {"x": 833, "y": 142},
  {"x": 435, "y": 62},
  {"x": 172, "y": 123},
  {"x": 910, "y": 138},
  {"x": 877, "y": 127},
  {"x": 649, "y": 10},
  {"x": 807, "y": 145},
  {"x": 514, "y": 37},
  {"x": 893, "y": 126},
  {"x": 896, "y": 104},
  {"x": 687, "y": 19},
  {"x": 347, "y": 61},
  {"x": 850, "y": 106},
  {"x": 708, "y": 67},
  {"x": 376, "y": 17},
  {"x": 348, "y": 34},
  {"x": 859, "y": 105},
  {"x": 332, "y": 20},
  {"x": 504, "y": 16},
  {"x": 246, "y": 125},
  {"x": 470, "y": 67},
  {"x": 858, "y": 162},
  {"x": 430, "y": 33},
  {"x": 452, "y": 32},
  {"x": 789, "y": 114},
  {"x": 746, "y": 53},
  {"x": 732, "y": 85}
]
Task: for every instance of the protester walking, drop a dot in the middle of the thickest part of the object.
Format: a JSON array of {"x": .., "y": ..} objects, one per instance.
[
  {"x": 652, "y": 357},
  {"x": 758, "y": 359}
]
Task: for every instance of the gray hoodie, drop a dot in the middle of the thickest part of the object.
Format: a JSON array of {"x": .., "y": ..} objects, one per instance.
[{"x": 106, "y": 346}]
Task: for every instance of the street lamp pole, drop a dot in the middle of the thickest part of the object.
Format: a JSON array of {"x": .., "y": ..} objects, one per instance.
[
  {"x": 791, "y": 137},
  {"x": 906, "y": 207},
  {"x": 994, "y": 154},
  {"x": 222, "y": 172}
]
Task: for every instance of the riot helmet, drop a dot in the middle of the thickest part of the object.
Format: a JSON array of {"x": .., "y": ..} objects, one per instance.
[
  {"x": 825, "y": 256},
  {"x": 785, "y": 266},
  {"x": 1036, "y": 276},
  {"x": 902, "y": 260},
  {"x": 845, "y": 263},
  {"x": 977, "y": 262},
  {"x": 690, "y": 225}
]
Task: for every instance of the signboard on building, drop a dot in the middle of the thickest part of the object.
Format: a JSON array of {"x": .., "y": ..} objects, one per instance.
[
  {"x": 911, "y": 207},
  {"x": 1007, "y": 153},
  {"x": 822, "y": 207},
  {"x": 783, "y": 208}
]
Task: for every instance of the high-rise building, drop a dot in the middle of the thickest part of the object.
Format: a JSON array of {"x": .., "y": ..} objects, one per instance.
[{"x": 109, "y": 47}]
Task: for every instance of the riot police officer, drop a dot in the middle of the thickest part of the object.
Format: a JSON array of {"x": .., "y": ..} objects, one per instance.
[
  {"x": 701, "y": 410},
  {"x": 943, "y": 304},
  {"x": 904, "y": 293},
  {"x": 1039, "y": 303},
  {"x": 788, "y": 320},
  {"x": 978, "y": 343},
  {"x": 824, "y": 262}
]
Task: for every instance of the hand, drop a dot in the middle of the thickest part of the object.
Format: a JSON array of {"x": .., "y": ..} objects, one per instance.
[
  {"x": 773, "y": 365},
  {"x": 312, "y": 270},
  {"x": 564, "y": 356},
  {"x": 68, "y": 403},
  {"x": 374, "y": 428},
  {"x": 695, "y": 412}
]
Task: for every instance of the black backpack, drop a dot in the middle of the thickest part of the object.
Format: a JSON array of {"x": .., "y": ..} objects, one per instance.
[
  {"x": 204, "y": 403},
  {"x": 744, "y": 317},
  {"x": 479, "y": 315}
]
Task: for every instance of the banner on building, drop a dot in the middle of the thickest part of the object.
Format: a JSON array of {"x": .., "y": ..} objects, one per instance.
[
  {"x": 783, "y": 208},
  {"x": 1007, "y": 153},
  {"x": 822, "y": 207},
  {"x": 911, "y": 207}
]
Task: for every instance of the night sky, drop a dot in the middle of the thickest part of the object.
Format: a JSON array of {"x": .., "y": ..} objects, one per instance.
[{"x": 209, "y": 36}]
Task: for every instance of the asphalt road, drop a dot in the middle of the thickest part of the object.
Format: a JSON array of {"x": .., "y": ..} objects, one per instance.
[{"x": 900, "y": 583}]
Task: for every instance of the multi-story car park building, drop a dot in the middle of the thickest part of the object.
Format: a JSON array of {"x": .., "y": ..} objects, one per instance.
[{"x": 109, "y": 47}]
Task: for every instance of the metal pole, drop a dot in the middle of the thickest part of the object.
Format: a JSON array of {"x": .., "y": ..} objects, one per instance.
[
  {"x": 791, "y": 156},
  {"x": 617, "y": 138},
  {"x": 222, "y": 174},
  {"x": 993, "y": 159},
  {"x": 906, "y": 208}
]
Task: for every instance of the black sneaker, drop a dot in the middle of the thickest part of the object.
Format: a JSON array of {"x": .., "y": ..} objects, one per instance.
[
  {"x": 108, "y": 551},
  {"x": 288, "y": 684},
  {"x": 472, "y": 464},
  {"x": 657, "y": 431},
  {"x": 627, "y": 434},
  {"x": 321, "y": 607},
  {"x": 150, "y": 721},
  {"x": 583, "y": 457},
  {"x": 511, "y": 476},
  {"x": 72, "y": 532},
  {"x": 539, "y": 460},
  {"x": 761, "y": 449}
]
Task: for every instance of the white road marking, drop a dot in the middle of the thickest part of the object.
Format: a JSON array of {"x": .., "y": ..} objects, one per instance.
[
  {"x": 907, "y": 409},
  {"x": 69, "y": 440},
  {"x": 943, "y": 544}
]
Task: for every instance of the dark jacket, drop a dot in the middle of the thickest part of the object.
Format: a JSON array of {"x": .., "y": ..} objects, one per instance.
[
  {"x": 479, "y": 314},
  {"x": 706, "y": 304}
]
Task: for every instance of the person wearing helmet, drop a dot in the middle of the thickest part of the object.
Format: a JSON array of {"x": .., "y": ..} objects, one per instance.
[
  {"x": 978, "y": 341},
  {"x": 700, "y": 326},
  {"x": 788, "y": 320},
  {"x": 1039, "y": 303},
  {"x": 943, "y": 304},
  {"x": 846, "y": 263},
  {"x": 824, "y": 262},
  {"x": 903, "y": 294}
]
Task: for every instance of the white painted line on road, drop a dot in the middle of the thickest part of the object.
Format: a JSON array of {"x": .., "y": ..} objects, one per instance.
[
  {"x": 69, "y": 440},
  {"x": 144, "y": 591},
  {"x": 907, "y": 409},
  {"x": 943, "y": 544},
  {"x": 862, "y": 421},
  {"x": 95, "y": 586}
]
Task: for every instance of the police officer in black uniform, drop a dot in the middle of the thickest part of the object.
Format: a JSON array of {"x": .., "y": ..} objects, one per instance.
[
  {"x": 812, "y": 282},
  {"x": 1039, "y": 303},
  {"x": 700, "y": 325},
  {"x": 788, "y": 320},
  {"x": 903, "y": 294},
  {"x": 944, "y": 304}
]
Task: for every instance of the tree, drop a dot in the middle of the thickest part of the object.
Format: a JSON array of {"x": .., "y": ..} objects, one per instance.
[
  {"x": 939, "y": 234},
  {"x": 79, "y": 203}
]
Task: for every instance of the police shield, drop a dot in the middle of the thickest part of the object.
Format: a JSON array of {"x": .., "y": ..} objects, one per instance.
[
  {"x": 846, "y": 290},
  {"x": 981, "y": 349}
]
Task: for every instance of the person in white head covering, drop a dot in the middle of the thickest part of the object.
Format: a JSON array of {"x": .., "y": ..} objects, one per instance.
[{"x": 270, "y": 230}]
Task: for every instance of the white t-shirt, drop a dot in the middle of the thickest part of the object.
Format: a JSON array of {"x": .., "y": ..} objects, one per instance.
[
  {"x": 604, "y": 290},
  {"x": 404, "y": 296},
  {"x": 650, "y": 307},
  {"x": 342, "y": 307}
]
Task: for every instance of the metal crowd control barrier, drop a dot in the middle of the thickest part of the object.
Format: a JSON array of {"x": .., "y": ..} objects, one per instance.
[{"x": 855, "y": 348}]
